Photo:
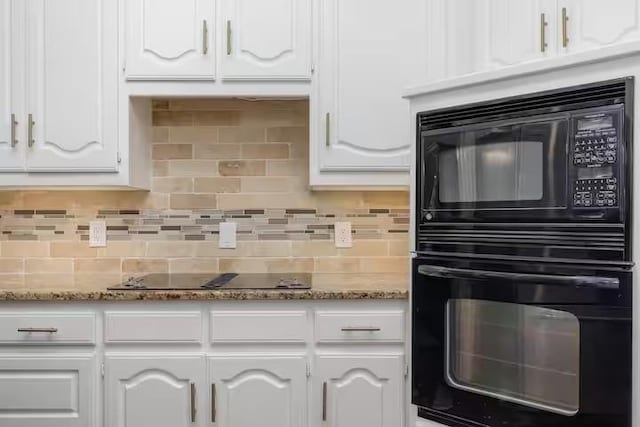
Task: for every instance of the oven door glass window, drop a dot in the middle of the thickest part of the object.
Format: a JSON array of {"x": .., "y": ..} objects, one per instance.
[{"x": 520, "y": 353}]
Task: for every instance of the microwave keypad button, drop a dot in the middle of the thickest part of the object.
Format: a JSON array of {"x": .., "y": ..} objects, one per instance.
[{"x": 611, "y": 180}]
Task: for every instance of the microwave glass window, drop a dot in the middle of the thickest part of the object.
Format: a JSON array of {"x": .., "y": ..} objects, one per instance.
[
  {"x": 520, "y": 353},
  {"x": 491, "y": 171}
]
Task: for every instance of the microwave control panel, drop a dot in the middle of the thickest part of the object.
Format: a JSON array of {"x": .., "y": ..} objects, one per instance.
[{"x": 595, "y": 153}]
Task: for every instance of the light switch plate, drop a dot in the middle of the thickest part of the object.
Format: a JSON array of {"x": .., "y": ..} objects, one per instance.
[
  {"x": 343, "y": 234},
  {"x": 97, "y": 234},
  {"x": 227, "y": 238}
]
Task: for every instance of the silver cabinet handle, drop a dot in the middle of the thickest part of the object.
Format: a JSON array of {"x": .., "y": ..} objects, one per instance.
[
  {"x": 327, "y": 130},
  {"x": 228, "y": 37},
  {"x": 213, "y": 403},
  {"x": 205, "y": 37},
  {"x": 193, "y": 402},
  {"x": 14, "y": 123},
  {"x": 39, "y": 330},
  {"x": 361, "y": 329},
  {"x": 324, "y": 401},
  {"x": 543, "y": 31},
  {"x": 565, "y": 36},
  {"x": 31, "y": 124}
]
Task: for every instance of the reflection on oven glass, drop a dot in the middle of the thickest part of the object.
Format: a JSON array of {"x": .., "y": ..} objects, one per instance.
[
  {"x": 494, "y": 171},
  {"x": 524, "y": 354}
]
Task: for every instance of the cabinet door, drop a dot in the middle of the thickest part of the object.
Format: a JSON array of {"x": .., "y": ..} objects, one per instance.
[
  {"x": 592, "y": 24},
  {"x": 359, "y": 391},
  {"x": 170, "y": 39},
  {"x": 47, "y": 391},
  {"x": 269, "y": 391},
  {"x": 11, "y": 152},
  {"x": 72, "y": 85},
  {"x": 518, "y": 31},
  {"x": 369, "y": 52},
  {"x": 267, "y": 39},
  {"x": 145, "y": 390}
]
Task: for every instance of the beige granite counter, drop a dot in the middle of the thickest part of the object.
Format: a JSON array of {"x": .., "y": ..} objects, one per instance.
[{"x": 105, "y": 295}]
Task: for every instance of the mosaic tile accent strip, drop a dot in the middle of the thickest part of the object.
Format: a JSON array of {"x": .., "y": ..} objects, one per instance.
[{"x": 203, "y": 224}]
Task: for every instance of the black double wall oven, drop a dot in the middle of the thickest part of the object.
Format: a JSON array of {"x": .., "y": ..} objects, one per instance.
[{"x": 521, "y": 278}]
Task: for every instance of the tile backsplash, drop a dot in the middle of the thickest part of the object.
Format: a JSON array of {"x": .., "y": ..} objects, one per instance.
[{"x": 214, "y": 160}]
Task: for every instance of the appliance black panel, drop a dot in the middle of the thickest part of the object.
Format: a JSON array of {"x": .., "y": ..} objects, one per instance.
[
  {"x": 207, "y": 281},
  {"x": 544, "y": 175},
  {"x": 498, "y": 343}
]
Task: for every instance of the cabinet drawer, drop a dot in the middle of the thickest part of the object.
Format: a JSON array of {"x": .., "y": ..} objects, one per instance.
[
  {"x": 258, "y": 326},
  {"x": 52, "y": 328},
  {"x": 150, "y": 327},
  {"x": 47, "y": 391},
  {"x": 374, "y": 326}
]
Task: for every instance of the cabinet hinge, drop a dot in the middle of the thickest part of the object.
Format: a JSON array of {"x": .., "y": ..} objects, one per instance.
[
  {"x": 308, "y": 370},
  {"x": 124, "y": 66},
  {"x": 313, "y": 67},
  {"x": 102, "y": 370},
  {"x": 406, "y": 370},
  {"x": 119, "y": 158}
]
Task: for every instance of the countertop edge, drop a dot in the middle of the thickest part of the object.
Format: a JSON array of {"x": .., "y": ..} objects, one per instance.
[{"x": 105, "y": 295}]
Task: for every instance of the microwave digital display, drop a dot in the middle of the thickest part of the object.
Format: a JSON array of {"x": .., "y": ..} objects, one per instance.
[{"x": 596, "y": 123}]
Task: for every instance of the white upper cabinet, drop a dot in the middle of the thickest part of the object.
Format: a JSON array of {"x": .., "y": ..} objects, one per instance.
[
  {"x": 362, "y": 391},
  {"x": 591, "y": 24},
  {"x": 274, "y": 387},
  {"x": 71, "y": 86},
  {"x": 142, "y": 390},
  {"x": 369, "y": 51},
  {"x": 11, "y": 152},
  {"x": 266, "y": 39},
  {"x": 170, "y": 39},
  {"x": 518, "y": 31}
]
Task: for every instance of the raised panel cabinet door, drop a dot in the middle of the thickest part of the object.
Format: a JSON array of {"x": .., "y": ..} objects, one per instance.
[
  {"x": 359, "y": 391},
  {"x": 11, "y": 32},
  {"x": 519, "y": 31},
  {"x": 266, "y": 39},
  {"x": 369, "y": 51},
  {"x": 71, "y": 123},
  {"x": 47, "y": 391},
  {"x": 266, "y": 391},
  {"x": 590, "y": 24},
  {"x": 149, "y": 390},
  {"x": 170, "y": 39}
]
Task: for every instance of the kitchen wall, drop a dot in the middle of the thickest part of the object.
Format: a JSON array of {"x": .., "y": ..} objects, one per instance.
[{"x": 213, "y": 160}]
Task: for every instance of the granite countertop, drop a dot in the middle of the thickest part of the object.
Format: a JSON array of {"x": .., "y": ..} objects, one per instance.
[{"x": 106, "y": 295}]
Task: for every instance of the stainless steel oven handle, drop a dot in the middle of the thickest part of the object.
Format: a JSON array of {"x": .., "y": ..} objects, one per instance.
[{"x": 595, "y": 282}]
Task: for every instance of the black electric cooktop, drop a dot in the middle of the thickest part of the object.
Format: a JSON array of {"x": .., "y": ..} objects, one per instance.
[{"x": 188, "y": 281}]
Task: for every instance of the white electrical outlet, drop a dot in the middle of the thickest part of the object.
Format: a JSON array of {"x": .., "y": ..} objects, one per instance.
[
  {"x": 97, "y": 234},
  {"x": 227, "y": 238},
  {"x": 343, "y": 234}
]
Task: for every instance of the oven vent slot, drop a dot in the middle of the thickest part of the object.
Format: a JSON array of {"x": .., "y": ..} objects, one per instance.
[{"x": 612, "y": 92}]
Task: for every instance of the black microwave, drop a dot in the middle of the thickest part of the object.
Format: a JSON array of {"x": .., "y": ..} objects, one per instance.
[{"x": 540, "y": 175}]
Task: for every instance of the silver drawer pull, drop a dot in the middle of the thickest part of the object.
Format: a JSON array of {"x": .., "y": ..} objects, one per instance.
[
  {"x": 361, "y": 329},
  {"x": 43, "y": 330}
]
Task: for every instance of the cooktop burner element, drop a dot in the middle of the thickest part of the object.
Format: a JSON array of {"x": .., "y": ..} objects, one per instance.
[{"x": 188, "y": 281}]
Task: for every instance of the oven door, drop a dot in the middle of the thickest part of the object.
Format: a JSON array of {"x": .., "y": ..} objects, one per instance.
[
  {"x": 496, "y": 170},
  {"x": 498, "y": 344}
]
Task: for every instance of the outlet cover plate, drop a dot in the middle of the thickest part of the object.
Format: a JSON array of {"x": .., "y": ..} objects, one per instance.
[
  {"x": 343, "y": 235},
  {"x": 97, "y": 234},
  {"x": 227, "y": 239}
]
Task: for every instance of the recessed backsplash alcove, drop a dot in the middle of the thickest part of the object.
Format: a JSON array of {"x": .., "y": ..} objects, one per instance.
[{"x": 214, "y": 160}]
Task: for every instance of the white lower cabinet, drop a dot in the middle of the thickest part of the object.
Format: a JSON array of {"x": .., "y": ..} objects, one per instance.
[
  {"x": 359, "y": 390},
  {"x": 145, "y": 390},
  {"x": 47, "y": 390},
  {"x": 194, "y": 364},
  {"x": 268, "y": 391}
]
